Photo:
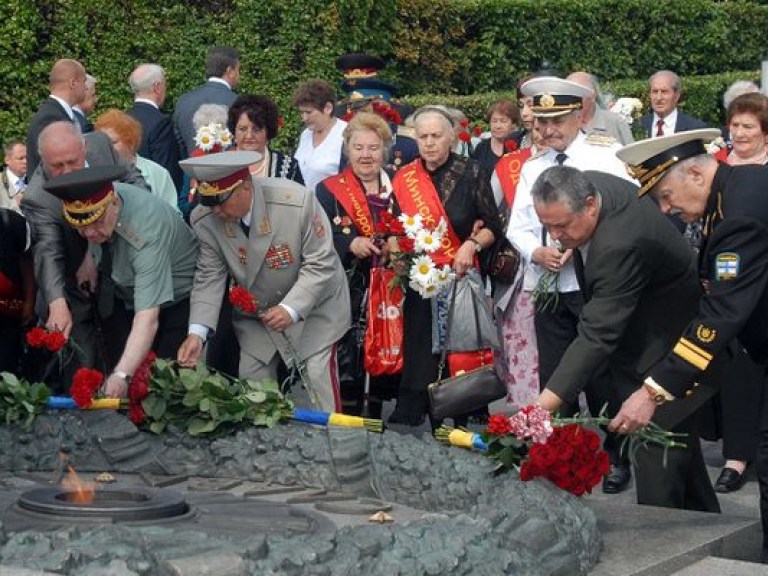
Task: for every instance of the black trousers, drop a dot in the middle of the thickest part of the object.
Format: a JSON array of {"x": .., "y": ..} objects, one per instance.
[{"x": 171, "y": 330}]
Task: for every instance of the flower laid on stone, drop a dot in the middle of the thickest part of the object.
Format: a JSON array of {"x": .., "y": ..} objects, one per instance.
[
  {"x": 413, "y": 263},
  {"x": 243, "y": 300},
  {"x": 85, "y": 384},
  {"x": 563, "y": 450}
]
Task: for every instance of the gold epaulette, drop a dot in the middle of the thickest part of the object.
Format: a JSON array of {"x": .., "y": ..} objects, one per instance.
[{"x": 597, "y": 139}]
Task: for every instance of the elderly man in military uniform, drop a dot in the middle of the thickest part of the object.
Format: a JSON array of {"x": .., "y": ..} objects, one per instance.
[
  {"x": 733, "y": 263},
  {"x": 272, "y": 237},
  {"x": 557, "y": 108},
  {"x": 153, "y": 254}
]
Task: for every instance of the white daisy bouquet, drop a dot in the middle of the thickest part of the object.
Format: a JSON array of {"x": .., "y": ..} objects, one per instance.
[
  {"x": 213, "y": 137},
  {"x": 415, "y": 260}
]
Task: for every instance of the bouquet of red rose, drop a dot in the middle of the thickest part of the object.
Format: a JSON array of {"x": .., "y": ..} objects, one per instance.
[
  {"x": 562, "y": 450},
  {"x": 54, "y": 342}
]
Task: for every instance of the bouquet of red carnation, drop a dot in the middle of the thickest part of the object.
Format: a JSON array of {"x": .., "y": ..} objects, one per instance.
[
  {"x": 41, "y": 338},
  {"x": 85, "y": 383},
  {"x": 242, "y": 300}
]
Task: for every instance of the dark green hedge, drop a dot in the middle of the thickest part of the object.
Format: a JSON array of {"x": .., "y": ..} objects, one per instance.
[{"x": 433, "y": 46}]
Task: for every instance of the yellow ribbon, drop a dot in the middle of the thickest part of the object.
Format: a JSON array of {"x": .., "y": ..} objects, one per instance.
[
  {"x": 105, "y": 404},
  {"x": 460, "y": 438},
  {"x": 337, "y": 419}
]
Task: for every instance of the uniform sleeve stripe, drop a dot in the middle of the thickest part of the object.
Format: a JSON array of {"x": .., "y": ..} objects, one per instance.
[
  {"x": 690, "y": 356},
  {"x": 693, "y": 348}
]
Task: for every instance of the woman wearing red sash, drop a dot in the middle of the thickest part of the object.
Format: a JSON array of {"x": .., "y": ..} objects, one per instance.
[
  {"x": 438, "y": 185},
  {"x": 513, "y": 304},
  {"x": 354, "y": 201}
]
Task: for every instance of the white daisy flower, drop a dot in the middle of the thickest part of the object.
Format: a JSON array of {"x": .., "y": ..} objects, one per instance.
[
  {"x": 422, "y": 269},
  {"x": 205, "y": 139},
  {"x": 411, "y": 223},
  {"x": 426, "y": 241}
]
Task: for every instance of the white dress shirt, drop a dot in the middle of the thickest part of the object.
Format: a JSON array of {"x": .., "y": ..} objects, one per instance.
[{"x": 669, "y": 124}]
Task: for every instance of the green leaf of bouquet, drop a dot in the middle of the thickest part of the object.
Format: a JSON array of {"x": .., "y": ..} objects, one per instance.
[
  {"x": 157, "y": 427},
  {"x": 256, "y": 397},
  {"x": 205, "y": 405},
  {"x": 154, "y": 406},
  {"x": 199, "y": 426},
  {"x": 192, "y": 398}
]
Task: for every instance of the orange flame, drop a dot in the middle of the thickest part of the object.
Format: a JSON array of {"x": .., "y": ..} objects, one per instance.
[{"x": 80, "y": 491}]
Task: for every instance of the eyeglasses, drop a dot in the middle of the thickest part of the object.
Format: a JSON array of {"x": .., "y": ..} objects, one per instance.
[{"x": 255, "y": 130}]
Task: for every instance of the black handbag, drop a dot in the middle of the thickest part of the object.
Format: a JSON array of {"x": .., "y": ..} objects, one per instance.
[
  {"x": 504, "y": 262},
  {"x": 464, "y": 392}
]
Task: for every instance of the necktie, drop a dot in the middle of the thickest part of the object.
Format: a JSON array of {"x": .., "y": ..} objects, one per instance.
[
  {"x": 20, "y": 185},
  {"x": 660, "y": 127},
  {"x": 578, "y": 267},
  {"x": 245, "y": 228},
  {"x": 561, "y": 158}
]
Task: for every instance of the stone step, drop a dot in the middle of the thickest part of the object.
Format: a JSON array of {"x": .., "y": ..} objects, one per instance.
[{"x": 712, "y": 566}]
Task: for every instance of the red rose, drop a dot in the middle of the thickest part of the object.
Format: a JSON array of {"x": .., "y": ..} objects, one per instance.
[
  {"x": 499, "y": 425},
  {"x": 85, "y": 383},
  {"x": 55, "y": 341},
  {"x": 396, "y": 227},
  {"x": 36, "y": 337},
  {"x": 477, "y": 130},
  {"x": 464, "y": 123},
  {"x": 381, "y": 227},
  {"x": 136, "y": 413},
  {"x": 510, "y": 145},
  {"x": 465, "y": 137}
]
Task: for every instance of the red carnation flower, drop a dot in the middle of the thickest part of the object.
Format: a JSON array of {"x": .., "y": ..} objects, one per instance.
[
  {"x": 55, "y": 341},
  {"x": 464, "y": 123},
  {"x": 465, "y": 137},
  {"x": 477, "y": 130},
  {"x": 85, "y": 383},
  {"x": 499, "y": 425},
  {"x": 382, "y": 228},
  {"x": 243, "y": 300},
  {"x": 36, "y": 337},
  {"x": 510, "y": 145},
  {"x": 406, "y": 244}
]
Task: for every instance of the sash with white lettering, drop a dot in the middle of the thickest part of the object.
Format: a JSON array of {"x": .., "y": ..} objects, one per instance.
[
  {"x": 508, "y": 170},
  {"x": 347, "y": 190},
  {"x": 416, "y": 194}
]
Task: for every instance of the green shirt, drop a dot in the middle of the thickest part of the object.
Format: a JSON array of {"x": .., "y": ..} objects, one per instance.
[{"x": 153, "y": 251}]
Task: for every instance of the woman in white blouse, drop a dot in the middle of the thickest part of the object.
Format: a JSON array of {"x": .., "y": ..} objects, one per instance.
[{"x": 320, "y": 144}]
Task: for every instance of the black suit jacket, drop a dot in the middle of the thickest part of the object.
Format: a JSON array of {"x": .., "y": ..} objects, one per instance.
[
  {"x": 640, "y": 288},
  {"x": 187, "y": 105},
  {"x": 50, "y": 111},
  {"x": 158, "y": 142},
  {"x": 683, "y": 124}
]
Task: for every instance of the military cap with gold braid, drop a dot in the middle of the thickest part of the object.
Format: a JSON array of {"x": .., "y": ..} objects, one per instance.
[
  {"x": 85, "y": 193},
  {"x": 649, "y": 160},
  {"x": 219, "y": 174},
  {"x": 554, "y": 96}
]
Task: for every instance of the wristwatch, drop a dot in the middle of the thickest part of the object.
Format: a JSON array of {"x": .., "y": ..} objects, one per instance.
[{"x": 477, "y": 244}]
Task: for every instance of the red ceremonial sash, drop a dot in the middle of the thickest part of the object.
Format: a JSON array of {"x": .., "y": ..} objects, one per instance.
[
  {"x": 347, "y": 190},
  {"x": 508, "y": 169},
  {"x": 416, "y": 194}
]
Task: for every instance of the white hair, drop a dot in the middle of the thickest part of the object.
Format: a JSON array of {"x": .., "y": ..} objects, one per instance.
[
  {"x": 737, "y": 89},
  {"x": 210, "y": 114}
]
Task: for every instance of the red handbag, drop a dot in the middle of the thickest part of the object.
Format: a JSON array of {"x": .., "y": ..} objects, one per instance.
[
  {"x": 468, "y": 361},
  {"x": 383, "y": 346}
]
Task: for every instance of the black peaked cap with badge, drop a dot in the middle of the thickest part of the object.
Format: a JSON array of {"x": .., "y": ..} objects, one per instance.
[{"x": 85, "y": 193}]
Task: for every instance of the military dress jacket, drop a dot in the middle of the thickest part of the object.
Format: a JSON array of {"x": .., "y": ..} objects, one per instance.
[
  {"x": 286, "y": 257},
  {"x": 734, "y": 267}
]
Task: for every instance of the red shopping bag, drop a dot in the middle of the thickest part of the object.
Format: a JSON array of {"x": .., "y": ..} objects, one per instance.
[
  {"x": 459, "y": 362},
  {"x": 384, "y": 331}
]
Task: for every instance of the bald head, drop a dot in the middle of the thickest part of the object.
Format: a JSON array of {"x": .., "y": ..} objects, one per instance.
[
  {"x": 62, "y": 148},
  {"x": 67, "y": 81},
  {"x": 588, "y": 102}
]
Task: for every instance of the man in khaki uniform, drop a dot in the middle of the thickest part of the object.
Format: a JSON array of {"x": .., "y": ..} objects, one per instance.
[{"x": 273, "y": 239}]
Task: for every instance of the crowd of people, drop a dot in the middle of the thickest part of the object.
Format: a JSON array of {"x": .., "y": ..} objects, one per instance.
[{"x": 643, "y": 283}]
